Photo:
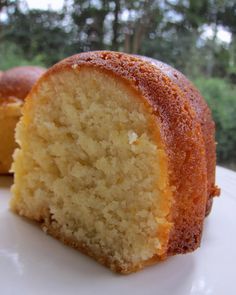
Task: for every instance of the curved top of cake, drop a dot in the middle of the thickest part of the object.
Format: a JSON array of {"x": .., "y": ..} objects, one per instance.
[{"x": 16, "y": 83}]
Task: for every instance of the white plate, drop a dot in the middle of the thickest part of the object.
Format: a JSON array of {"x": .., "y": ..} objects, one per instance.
[{"x": 34, "y": 263}]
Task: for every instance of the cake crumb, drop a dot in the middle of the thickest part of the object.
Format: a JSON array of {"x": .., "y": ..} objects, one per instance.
[
  {"x": 132, "y": 136},
  {"x": 74, "y": 66}
]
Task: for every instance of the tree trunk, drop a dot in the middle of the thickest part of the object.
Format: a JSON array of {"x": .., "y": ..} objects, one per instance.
[
  {"x": 141, "y": 25},
  {"x": 115, "y": 43},
  {"x": 232, "y": 59},
  {"x": 127, "y": 45},
  {"x": 211, "y": 60},
  {"x": 138, "y": 37}
]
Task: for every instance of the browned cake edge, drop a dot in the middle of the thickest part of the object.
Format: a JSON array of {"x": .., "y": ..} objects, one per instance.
[{"x": 205, "y": 118}]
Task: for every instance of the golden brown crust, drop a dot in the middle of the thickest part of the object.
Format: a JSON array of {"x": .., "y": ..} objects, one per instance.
[
  {"x": 205, "y": 118},
  {"x": 181, "y": 132},
  {"x": 17, "y": 82}
]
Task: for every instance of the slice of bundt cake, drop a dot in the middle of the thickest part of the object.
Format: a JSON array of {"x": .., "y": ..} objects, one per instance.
[
  {"x": 15, "y": 84},
  {"x": 116, "y": 158}
]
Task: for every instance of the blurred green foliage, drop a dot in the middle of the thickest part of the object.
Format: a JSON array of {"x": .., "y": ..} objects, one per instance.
[
  {"x": 221, "y": 97},
  {"x": 169, "y": 30},
  {"x": 13, "y": 57}
]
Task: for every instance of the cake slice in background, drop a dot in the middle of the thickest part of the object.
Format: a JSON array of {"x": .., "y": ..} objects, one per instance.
[{"x": 15, "y": 84}]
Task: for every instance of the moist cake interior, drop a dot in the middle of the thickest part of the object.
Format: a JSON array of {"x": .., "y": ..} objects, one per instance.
[{"x": 91, "y": 167}]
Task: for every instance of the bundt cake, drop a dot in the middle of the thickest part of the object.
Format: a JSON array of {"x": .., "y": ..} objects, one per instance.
[
  {"x": 15, "y": 84},
  {"x": 116, "y": 158}
]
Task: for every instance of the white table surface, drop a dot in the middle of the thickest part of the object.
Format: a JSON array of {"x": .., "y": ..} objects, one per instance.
[{"x": 34, "y": 263}]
